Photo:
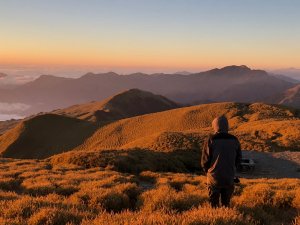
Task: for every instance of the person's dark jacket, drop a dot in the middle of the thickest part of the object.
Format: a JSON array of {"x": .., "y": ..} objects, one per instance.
[{"x": 221, "y": 155}]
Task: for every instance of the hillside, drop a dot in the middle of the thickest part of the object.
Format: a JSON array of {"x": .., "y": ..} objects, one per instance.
[
  {"x": 6, "y": 125},
  {"x": 259, "y": 126},
  {"x": 231, "y": 83},
  {"x": 49, "y": 134},
  {"x": 43, "y": 136},
  {"x": 292, "y": 97},
  {"x": 126, "y": 104},
  {"x": 172, "y": 140}
]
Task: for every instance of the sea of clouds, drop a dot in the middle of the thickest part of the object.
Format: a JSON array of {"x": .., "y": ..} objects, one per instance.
[
  {"x": 12, "y": 110},
  {"x": 4, "y": 117}
]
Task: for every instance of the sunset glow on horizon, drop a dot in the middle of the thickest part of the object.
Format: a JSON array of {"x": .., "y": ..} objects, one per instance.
[{"x": 151, "y": 34}]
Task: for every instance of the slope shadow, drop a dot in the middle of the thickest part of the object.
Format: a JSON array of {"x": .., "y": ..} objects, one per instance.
[{"x": 134, "y": 160}]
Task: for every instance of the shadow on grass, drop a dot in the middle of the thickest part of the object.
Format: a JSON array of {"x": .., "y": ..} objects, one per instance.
[{"x": 134, "y": 160}]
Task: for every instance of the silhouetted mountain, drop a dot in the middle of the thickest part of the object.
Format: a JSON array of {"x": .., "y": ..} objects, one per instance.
[
  {"x": 293, "y": 73},
  {"x": 232, "y": 83},
  {"x": 130, "y": 103},
  {"x": 183, "y": 73}
]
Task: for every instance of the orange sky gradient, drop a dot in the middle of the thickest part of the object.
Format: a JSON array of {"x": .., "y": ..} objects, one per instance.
[
  {"x": 150, "y": 35},
  {"x": 149, "y": 58}
]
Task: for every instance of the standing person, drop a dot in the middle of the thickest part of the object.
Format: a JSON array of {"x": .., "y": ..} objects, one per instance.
[{"x": 221, "y": 155}]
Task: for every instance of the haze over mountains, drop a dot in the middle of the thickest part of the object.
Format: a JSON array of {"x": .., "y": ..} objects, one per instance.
[
  {"x": 293, "y": 73},
  {"x": 232, "y": 83}
]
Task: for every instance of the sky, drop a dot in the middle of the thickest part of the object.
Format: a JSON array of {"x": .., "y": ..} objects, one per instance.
[{"x": 148, "y": 35}]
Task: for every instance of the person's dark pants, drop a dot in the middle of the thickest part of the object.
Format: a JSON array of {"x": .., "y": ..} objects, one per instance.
[{"x": 215, "y": 193}]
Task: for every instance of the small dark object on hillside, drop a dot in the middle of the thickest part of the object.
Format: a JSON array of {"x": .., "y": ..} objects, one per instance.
[
  {"x": 247, "y": 165},
  {"x": 237, "y": 180}
]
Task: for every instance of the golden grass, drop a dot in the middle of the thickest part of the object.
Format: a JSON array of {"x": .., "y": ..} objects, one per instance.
[
  {"x": 41, "y": 194},
  {"x": 259, "y": 127},
  {"x": 43, "y": 136},
  {"x": 6, "y": 125},
  {"x": 202, "y": 216}
]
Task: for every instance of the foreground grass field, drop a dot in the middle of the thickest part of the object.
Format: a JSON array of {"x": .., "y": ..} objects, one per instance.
[{"x": 35, "y": 192}]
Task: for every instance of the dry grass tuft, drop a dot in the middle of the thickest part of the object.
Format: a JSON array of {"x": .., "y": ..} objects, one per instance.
[
  {"x": 203, "y": 215},
  {"x": 54, "y": 216}
]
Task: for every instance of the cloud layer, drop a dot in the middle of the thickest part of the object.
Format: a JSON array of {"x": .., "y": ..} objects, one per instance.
[{"x": 13, "y": 108}]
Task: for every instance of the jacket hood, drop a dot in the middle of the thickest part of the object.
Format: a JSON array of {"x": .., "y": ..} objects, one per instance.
[{"x": 220, "y": 124}]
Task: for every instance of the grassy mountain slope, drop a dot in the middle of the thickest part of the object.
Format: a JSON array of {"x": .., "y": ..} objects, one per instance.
[
  {"x": 260, "y": 126},
  {"x": 292, "y": 97},
  {"x": 6, "y": 125},
  {"x": 43, "y": 136}
]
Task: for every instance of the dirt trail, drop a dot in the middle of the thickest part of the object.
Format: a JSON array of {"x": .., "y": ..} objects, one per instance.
[{"x": 273, "y": 165}]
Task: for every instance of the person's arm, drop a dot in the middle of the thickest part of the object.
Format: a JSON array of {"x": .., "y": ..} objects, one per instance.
[
  {"x": 238, "y": 158},
  {"x": 206, "y": 155}
]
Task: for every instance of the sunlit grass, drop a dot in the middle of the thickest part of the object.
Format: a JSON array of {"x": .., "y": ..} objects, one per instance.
[{"x": 32, "y": 192}]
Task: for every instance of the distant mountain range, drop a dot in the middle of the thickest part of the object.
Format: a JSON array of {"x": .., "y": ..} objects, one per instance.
[
  {"x": 286, "y": 78},
  {"x": 232, "y": 83},
  {"x": 293, "y": 73}
]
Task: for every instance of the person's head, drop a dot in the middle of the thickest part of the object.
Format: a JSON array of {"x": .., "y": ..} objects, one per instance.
[{"x": 220, "y": 124}]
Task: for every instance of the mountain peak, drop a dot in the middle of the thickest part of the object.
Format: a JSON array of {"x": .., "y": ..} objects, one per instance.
[
  {"x": 46, "y": 77},
  {"x": 136, "y": 98},
  {"x": 235, "y": 70},
  {"x": 90, "y": 74},
  {"x": 241, "y": 68},
  {"x": 183, "y": 73},
  {"x": 126, "y": 104}
]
